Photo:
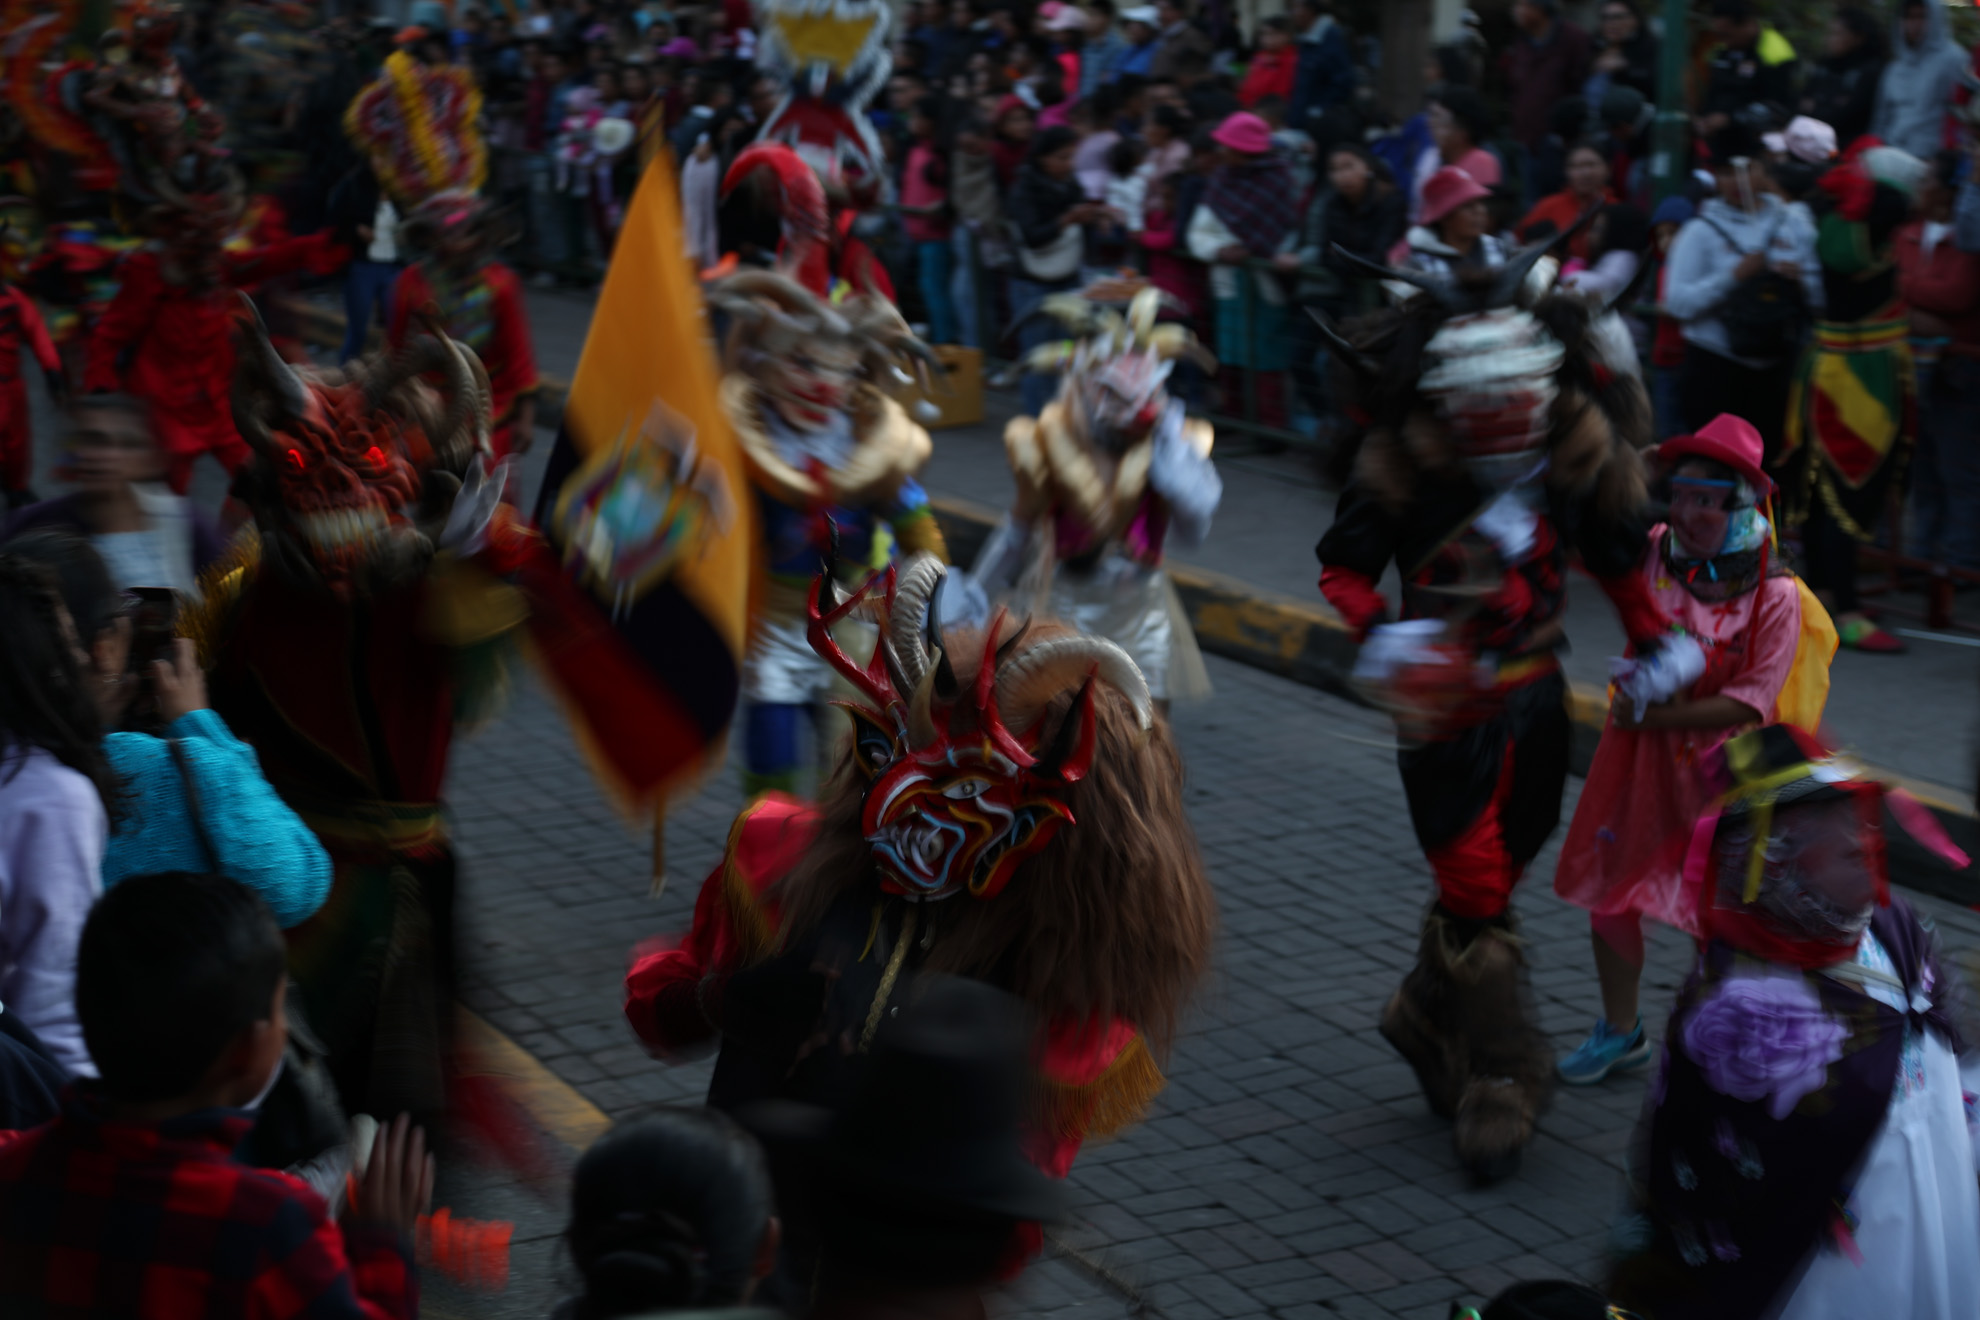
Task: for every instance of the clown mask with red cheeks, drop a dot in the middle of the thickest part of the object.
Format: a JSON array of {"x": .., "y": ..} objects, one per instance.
[
  {"x": 965, "y": 780},
  {"x": 812, "y": 383}
]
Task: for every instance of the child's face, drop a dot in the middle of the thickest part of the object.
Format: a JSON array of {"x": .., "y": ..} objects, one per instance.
[
  {"x": 1273, "y": 40},
  {"x": 1698, "y": 510},
  {"x": 920, "y": 125},
  {"x": 1662, "y": 234}
]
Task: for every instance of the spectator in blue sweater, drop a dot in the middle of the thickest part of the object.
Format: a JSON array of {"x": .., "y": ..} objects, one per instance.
[
  {"x": 1326, "y": 76},
  {"x": 193, "y": 795}
]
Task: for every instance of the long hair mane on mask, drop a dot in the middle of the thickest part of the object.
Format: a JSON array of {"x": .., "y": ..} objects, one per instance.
[{"x": 1095, "y": 904}]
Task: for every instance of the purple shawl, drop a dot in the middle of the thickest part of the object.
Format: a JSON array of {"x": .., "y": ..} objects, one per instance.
[{"x": 1258, "y": 200}]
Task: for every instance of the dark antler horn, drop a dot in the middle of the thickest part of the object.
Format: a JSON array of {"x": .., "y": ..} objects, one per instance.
[
  {"x": 1512, "y": 276},
  {"x": 1435, "y": 285}
]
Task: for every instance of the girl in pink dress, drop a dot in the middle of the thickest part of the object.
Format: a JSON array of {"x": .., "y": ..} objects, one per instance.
[{"x": 1715, "y": 571}]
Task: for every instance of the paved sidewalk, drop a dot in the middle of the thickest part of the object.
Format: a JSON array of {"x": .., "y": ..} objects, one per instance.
[{"x": 1291, "y": 1168}]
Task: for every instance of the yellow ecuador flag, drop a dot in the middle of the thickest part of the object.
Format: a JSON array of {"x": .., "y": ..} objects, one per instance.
[{"x": 646, "y": 505}]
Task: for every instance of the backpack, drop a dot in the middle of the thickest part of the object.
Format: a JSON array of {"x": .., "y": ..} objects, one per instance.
[{"x": 1763, "y": 315}]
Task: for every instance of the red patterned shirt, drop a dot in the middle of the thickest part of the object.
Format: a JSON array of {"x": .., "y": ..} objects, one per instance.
[{"x": 162, "y": 1222}]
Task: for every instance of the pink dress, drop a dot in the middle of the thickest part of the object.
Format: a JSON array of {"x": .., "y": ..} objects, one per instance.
[{"x": 1625, "y": 847}]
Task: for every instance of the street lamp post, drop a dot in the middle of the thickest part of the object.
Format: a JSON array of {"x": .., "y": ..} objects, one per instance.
[{"x": 1669, "y": 136}]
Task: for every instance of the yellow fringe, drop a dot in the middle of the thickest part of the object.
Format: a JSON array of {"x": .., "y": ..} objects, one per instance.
[
  {"x": 221, "y": 586},
  {"x": 1117, "y": 1098},
  {"x": 746, "y": 916}
]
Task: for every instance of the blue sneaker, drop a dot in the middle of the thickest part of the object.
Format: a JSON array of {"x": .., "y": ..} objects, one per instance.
[{"x": 1605, "y": 1052}]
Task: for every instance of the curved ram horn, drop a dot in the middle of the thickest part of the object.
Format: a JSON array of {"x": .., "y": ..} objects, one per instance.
[
  {"x": 1027, "y": 682},
  {"x": 1357, "y": 359},
  {"x": 291, "y": 396},
  {"x": 907, "y": 618}
]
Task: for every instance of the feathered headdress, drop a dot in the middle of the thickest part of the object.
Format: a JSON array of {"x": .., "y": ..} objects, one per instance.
[
  {"x": 419, "y": 127},
  {"x": 831, "y": 58}
]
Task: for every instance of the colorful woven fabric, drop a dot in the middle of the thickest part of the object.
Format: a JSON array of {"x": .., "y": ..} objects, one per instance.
[{"x": 1852, "y": 417}]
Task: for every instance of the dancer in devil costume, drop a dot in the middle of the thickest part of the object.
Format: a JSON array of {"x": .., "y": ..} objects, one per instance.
[
  {"x": 832, "y": 458},
  {"x": 1011, "y": 810},
  {"x": 346, "y": 633},
  {"x": 1495, "y": 437}
]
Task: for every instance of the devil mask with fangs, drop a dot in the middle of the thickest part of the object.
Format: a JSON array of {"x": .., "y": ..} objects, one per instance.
[
  {"x": 356, "y": 473},
  {"x": 962, "y": 785}
]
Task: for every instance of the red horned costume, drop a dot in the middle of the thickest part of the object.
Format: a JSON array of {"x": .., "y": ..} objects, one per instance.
[
  {"x": 347, "y": 634},
  {"x": 1010, "y": 810}
]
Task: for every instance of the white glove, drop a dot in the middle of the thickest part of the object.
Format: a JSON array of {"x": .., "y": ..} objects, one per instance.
[
  {"x": 1391, "y": 646},
  {"x": 1509, "y": 524},
  {"x": 1645, "y": 681}
]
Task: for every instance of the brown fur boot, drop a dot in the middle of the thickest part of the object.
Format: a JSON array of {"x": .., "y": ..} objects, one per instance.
[
  {"x": 1420, "y": 1019},
  {"x": 1511, "y": 1064}
]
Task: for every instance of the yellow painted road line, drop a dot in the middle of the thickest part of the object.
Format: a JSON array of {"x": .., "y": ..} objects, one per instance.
[{"x": 553, "y": 1103}]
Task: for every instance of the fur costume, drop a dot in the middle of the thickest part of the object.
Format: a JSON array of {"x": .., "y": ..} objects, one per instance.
[
  {"x": 1495, "y": 437},
  {"x": 833, "y": 460},
  {"x": 1107, "y": 474},
  {"x": 1010, "y": 810}
]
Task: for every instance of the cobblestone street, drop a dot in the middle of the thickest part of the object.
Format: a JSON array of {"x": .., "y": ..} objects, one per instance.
[{"x": 1291, "y": 1168}]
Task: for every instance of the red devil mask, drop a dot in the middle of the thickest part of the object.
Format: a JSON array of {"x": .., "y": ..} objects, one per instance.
[{"x": 963, "y": 785}]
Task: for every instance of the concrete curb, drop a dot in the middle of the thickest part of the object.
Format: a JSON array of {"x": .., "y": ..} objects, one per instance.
[{"x": 1307, "y": 643}]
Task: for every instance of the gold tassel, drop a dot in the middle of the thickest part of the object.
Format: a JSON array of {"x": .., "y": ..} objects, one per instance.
[
  {"x": 1116, "y": 1099},
  {"x": 221, "y": 587}
]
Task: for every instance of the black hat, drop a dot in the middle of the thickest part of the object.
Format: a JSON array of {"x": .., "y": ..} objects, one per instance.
[{"x": 934, "y": 1119}]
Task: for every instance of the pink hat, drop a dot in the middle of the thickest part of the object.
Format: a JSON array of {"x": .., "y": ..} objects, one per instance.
[
  {"x": 1725, "y": 439},
  {"x": 1447, "y": 190},
  {"x": 1245, "y": 133},
  {"x": 1070, "y": 18}
]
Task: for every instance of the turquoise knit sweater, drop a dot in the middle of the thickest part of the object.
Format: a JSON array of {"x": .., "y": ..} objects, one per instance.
[{"x": 261, "y": 843}]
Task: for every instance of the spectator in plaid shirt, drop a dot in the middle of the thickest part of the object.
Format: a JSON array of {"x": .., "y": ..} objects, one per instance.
[{"x": 132, "y": 1202}]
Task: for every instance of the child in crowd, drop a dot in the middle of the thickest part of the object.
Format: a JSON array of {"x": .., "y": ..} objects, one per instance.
[
  {"x": 1667, "y": 340},
  {"x": 21, "y": 327},
  {"x": 1126, "y": 196},
  {"x": 1168, "y": 269},
  {"x": 1275, "y": 66},
  {"x": 671, "y": 1211},
  {"x": 133, "y": 1202},
  {"x": 925, "y": 214}
]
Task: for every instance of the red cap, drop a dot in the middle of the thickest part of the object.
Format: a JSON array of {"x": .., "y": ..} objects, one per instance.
[
  {"x": 1725, "y": 439},
  {"x": 1447, "y": 190}
]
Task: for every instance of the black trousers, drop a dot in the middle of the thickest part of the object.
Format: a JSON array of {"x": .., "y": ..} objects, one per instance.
[{"x": 1710, "y": 384}]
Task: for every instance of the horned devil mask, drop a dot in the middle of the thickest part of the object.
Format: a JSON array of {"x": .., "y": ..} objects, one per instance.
[{"x": 963, "y": 784}]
